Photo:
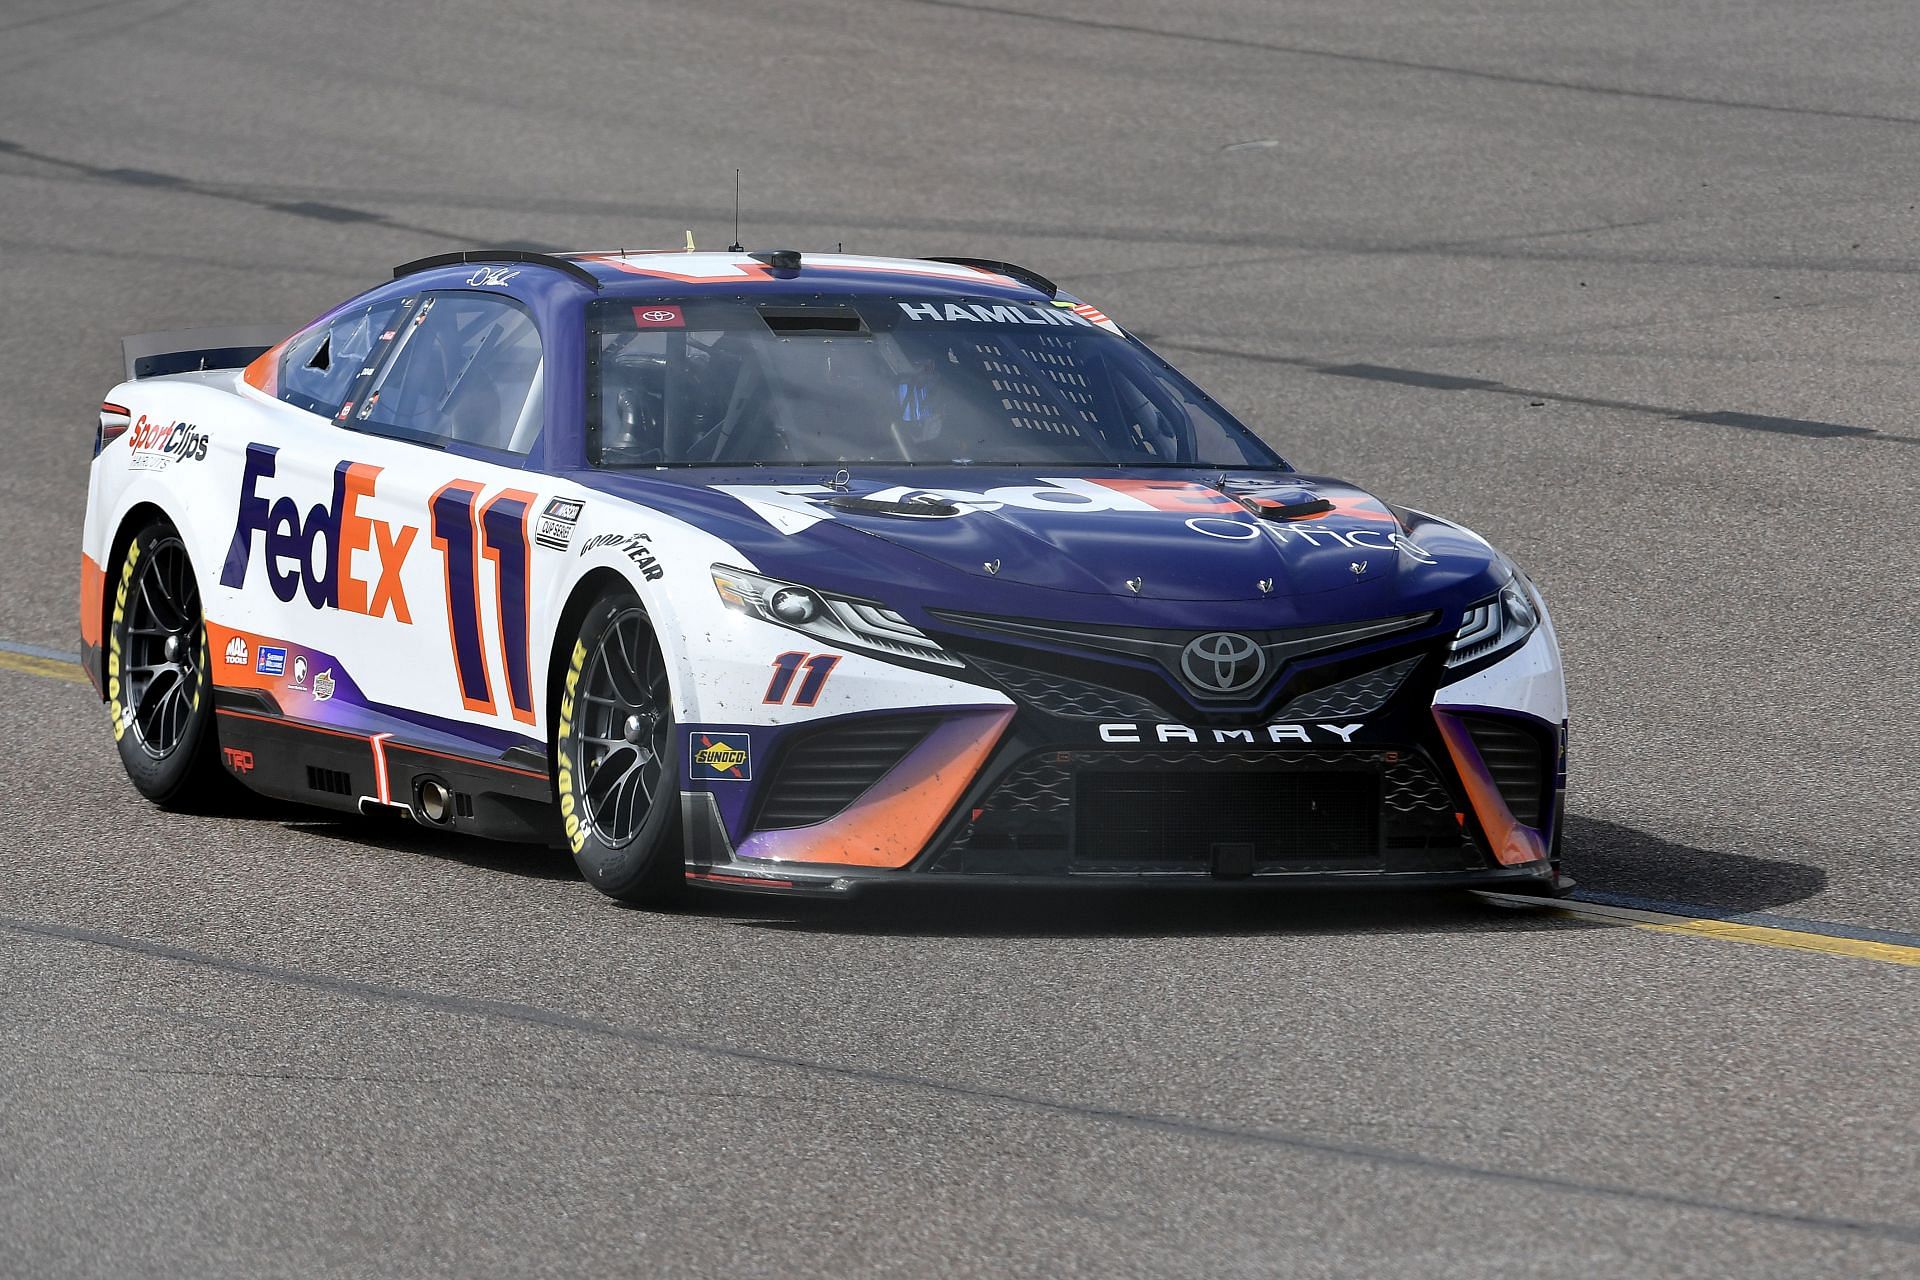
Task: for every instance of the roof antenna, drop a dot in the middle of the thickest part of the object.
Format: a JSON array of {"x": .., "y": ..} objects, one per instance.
[
  {"x": 690, "y": 240},
  {"x": 736, "y": 246}
]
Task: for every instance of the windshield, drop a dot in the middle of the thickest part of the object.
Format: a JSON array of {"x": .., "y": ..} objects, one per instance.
[{"x": 828, "y": 381}]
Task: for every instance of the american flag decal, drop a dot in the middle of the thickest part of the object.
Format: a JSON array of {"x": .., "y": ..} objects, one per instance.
[{"x": 1099, "y": 317}]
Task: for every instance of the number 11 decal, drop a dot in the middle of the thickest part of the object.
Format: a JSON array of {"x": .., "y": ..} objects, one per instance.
[
  {"x": 498, "y": 531},
  {"x": 818, "y": 667}
]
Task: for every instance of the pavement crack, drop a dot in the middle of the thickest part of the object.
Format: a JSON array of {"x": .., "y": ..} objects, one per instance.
[
  {"x": 1413, "y": 64},
  {"x": 1178, "y": 1126}
]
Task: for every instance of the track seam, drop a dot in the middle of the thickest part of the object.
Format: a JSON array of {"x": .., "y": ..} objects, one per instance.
[{"x": 483, "y": 1007}]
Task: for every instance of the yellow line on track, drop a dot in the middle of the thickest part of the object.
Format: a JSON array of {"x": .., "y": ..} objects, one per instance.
[
  {"x": 52, "y": 668},
  {"x": 1758, "y": 935}
]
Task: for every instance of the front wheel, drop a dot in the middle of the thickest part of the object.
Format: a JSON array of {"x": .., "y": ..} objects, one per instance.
[
  {"x": 617, "y": 772},
  {"x": 159, "y": 682}
]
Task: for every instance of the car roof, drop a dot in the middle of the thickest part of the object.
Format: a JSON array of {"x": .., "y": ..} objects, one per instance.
[{"x": 646, "y": 273}]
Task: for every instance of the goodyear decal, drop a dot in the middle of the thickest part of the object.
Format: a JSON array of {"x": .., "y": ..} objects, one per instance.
[
  {"x": 563, "y": 781},
  {"x": 122, "y": 714}
]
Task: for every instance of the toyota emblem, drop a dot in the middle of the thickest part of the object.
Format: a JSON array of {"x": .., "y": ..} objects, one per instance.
[{"x": 1223, "y": 662}]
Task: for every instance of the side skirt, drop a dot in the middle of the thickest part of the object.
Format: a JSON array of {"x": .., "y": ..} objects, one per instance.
[{"x": 353, "y": 772}]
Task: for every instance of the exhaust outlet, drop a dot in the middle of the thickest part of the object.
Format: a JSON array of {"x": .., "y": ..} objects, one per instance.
[{"x": 433, "y": 802}]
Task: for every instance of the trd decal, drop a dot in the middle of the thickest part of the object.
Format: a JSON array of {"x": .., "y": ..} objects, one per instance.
[
  {"x": 238, "y": 760},
  {"x": 497, "y": 529},
  {"x": 818, "y": 667},
  {"x": 292, "y": 542}
]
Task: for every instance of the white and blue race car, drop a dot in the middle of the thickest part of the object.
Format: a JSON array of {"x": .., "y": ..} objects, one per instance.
[{"x": 795, "y": 573}]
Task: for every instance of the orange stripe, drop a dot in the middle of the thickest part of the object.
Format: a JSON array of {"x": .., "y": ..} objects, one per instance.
[
  {"x": 368, "y": 739},
  {"x": 725, "y": 879},
  {"x": 889, "y": 825},
  {"x": 93, "y": 595},
  {"x": 1513, "y": 843}
]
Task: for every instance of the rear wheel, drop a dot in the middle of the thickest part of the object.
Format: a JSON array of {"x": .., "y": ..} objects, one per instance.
[
  {"x": 159, "y": 681},
  {"x": 617, "y": 773}
]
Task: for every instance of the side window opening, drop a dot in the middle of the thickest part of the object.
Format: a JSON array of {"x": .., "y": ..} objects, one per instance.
[
  {"x": 467, "y": 368},
  {"x": 319, "y": 367}
]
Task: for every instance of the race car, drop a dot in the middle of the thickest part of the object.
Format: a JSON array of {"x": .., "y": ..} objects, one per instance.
[{"x": 798, "y": 573}]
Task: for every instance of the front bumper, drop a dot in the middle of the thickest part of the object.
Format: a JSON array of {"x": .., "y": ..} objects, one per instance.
[{"x": 1412, "y": 789}]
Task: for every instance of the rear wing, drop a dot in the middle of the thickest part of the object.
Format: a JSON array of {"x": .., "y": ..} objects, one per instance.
[{"x": 151, "y": 355}]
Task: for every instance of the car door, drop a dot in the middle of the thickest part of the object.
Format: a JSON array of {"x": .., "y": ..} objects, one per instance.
[{"x": 439, "y": 430}]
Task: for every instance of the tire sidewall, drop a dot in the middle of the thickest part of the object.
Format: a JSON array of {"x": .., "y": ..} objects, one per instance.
[
  {"x": 650, "y": 866},
  {"x": 158, "y": 777}
]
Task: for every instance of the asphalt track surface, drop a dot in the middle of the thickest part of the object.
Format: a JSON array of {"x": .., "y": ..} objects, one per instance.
[{"x": 1630, "y": 287}]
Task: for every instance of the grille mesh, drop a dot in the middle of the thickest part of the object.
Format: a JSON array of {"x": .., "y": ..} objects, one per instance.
[
  {"x": 1063, "y": 696},
  {"x": 828, "y": 770},
  {"x": 1359, "y": 695},
  {"x": 1413, "y": 787}
]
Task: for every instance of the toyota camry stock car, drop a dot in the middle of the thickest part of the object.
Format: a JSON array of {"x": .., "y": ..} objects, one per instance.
[{"x": 796, "y": 572}]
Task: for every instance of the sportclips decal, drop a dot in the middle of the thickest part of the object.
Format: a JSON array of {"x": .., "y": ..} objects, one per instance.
[
  {"x": 1209, "y": 512},
  {"x": 156, "y": 444},
  {"x": 314, "y": 553}
]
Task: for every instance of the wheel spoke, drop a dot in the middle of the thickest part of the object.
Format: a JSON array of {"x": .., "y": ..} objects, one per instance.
[
  {"x": 161, "y": 605},
  {"x": 626, "y": 681},
  {"x": 625, "y": 677},
  {"x": 605, "y": 777}
]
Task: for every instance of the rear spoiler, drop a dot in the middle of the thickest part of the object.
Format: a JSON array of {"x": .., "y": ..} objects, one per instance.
[{"x": 151, "y": 355}]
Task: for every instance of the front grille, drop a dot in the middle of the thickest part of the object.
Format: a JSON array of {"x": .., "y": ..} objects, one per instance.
[
  {"x": 1517, "y": 759},
  {"x": 827, "y": 770},
  {"x": 1117, "y": 648},
  {"x": 1293, "y": 819},
  {"x": 1360, "y": 695},
  {"x": 1062, "y": 811},
  {"x": 1060, "y": 695}
]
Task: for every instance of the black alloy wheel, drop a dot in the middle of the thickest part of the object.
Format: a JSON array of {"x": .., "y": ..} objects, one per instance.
[
  {"x": 617, "y": 772},
  {"x": 624, "y": 715},
  {"x": 159, "y": 680}
]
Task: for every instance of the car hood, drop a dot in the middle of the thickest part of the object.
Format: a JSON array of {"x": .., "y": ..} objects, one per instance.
[{"x": 1289, "y": 544}]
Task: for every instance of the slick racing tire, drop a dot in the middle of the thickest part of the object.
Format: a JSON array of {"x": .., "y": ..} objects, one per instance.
[
  {"x": 159, "y": 681},
  {"x": 617, "y": 770}
]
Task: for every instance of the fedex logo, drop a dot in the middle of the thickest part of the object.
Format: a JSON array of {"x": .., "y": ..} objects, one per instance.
[{"x": 315, "y": 551}]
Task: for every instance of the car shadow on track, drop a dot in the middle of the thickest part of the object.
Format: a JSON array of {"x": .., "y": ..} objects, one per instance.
[
  {"x": 1606, "y": 857},
  {"x": 397, "y": 835}
]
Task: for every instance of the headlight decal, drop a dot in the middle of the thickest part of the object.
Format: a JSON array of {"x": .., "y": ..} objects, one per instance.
[
  {"x": 1495, "y": 625},
  {"x": 837, "y": 620}
]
